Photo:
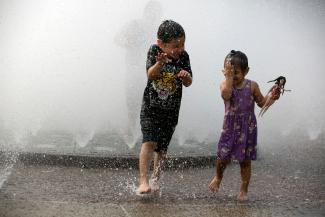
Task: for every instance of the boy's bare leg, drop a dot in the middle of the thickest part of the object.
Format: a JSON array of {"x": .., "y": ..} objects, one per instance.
[
  {"x": 216, "y": 180},
  {"x": 145, "y": 160},
  {"x": 159, "y": 160},
  {"x": 245, "y": 172}
]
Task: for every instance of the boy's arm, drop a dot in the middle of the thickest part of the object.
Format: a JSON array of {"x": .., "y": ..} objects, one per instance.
[
  {"x": 187, "y": 81},
  {"x": 155, "y": 60},
  {"x": 258, "y": 97},
  {"x": 154, "y": 71},
  {"x": 186, "y": 77},
  {"x": 186, "y": 73}
]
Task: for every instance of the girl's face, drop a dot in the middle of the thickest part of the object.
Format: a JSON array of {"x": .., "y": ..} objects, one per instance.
[
  {"x": 174, "y": 48},
  {"x": 239, "y": 75}
]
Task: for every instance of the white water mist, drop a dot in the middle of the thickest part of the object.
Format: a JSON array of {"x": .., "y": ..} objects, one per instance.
[{"x": 62, "y": 71}]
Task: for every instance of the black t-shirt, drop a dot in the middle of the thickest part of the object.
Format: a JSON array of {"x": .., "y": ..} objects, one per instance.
[{"x": 165, "y": 93}]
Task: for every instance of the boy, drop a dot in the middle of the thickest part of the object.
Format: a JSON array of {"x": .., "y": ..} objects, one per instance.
[{"x": 168, "y": 68}]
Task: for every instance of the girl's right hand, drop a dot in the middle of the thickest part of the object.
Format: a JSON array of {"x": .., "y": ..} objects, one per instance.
[{"x": 229, "y": 69}]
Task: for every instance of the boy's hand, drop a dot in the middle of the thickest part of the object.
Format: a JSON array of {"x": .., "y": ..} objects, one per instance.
[
  {"x": 186, "y": 77},
  {"x": 183, "y": 74},
  {"x": 162, "y": 58},
  {"x": 229, "y": 69}
]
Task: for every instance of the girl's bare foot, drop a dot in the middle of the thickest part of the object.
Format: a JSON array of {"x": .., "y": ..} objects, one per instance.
[
  {"x": 242, "y": 196},
  {"x": 143, "y": 189},
  {"x": 214, "y": 184}
]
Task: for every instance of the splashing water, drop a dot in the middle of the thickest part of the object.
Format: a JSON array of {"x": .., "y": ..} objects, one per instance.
[{"x": 7, "y": 163}]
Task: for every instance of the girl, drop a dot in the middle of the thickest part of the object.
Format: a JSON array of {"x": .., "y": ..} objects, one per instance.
[{"x": 239, "y": 132}]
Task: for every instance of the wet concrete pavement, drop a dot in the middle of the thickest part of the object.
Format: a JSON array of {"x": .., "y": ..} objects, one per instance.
[{"x": 283, "y": 183}]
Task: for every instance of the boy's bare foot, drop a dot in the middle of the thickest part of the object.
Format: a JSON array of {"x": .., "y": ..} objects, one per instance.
[
  {"x": 214, "y": 184},
  {"x": 242, "y": 196},
  {"x": 153, "y": 183},
  {"x": 143, "y": 189}
]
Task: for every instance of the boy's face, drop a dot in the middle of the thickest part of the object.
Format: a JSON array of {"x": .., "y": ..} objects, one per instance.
[{"x": 173, "y": 48}]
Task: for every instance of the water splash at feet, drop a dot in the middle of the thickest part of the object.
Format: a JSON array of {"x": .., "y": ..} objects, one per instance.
[{"x": 7, "y": 162}]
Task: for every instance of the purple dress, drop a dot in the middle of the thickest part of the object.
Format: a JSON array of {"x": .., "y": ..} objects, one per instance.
[{"x": 238, "y": 138}]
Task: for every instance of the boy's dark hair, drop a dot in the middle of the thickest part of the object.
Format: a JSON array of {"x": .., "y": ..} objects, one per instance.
[
  {"x": 169, "y": 30},
  {"x": 238, "y": 58}
]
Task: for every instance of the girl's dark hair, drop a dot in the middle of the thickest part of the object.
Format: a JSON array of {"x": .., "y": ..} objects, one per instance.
[
  {"x": 169, "y": 30},
  {"x": 238, "y": 58}
]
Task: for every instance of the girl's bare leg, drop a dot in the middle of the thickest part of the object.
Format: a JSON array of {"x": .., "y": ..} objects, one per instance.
[
  {"x": 245, "y": 172},
  {"x": 216, "y": 180},
  {"x": 145, "y": 160}
]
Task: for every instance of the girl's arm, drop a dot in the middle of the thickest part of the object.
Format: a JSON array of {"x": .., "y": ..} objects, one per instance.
[
  {"x": 257, "y": 95},
  {"x": 226, "y": 85},
  {"x": 226, "y": 88}
]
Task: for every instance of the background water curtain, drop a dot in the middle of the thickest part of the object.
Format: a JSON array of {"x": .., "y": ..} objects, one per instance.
[{"x": 65, "y": 73}]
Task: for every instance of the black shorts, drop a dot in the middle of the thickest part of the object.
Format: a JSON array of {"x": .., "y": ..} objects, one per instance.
[{"x": 157, "y": 128}]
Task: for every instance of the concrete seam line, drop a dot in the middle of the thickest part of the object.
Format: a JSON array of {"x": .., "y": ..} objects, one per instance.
[{"x": 126, "y": 212}]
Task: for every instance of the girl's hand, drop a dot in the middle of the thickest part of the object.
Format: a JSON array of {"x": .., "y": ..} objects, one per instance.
[
  {"x": 162, "y": 58},
  {"x": 229, "y": 69}
]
